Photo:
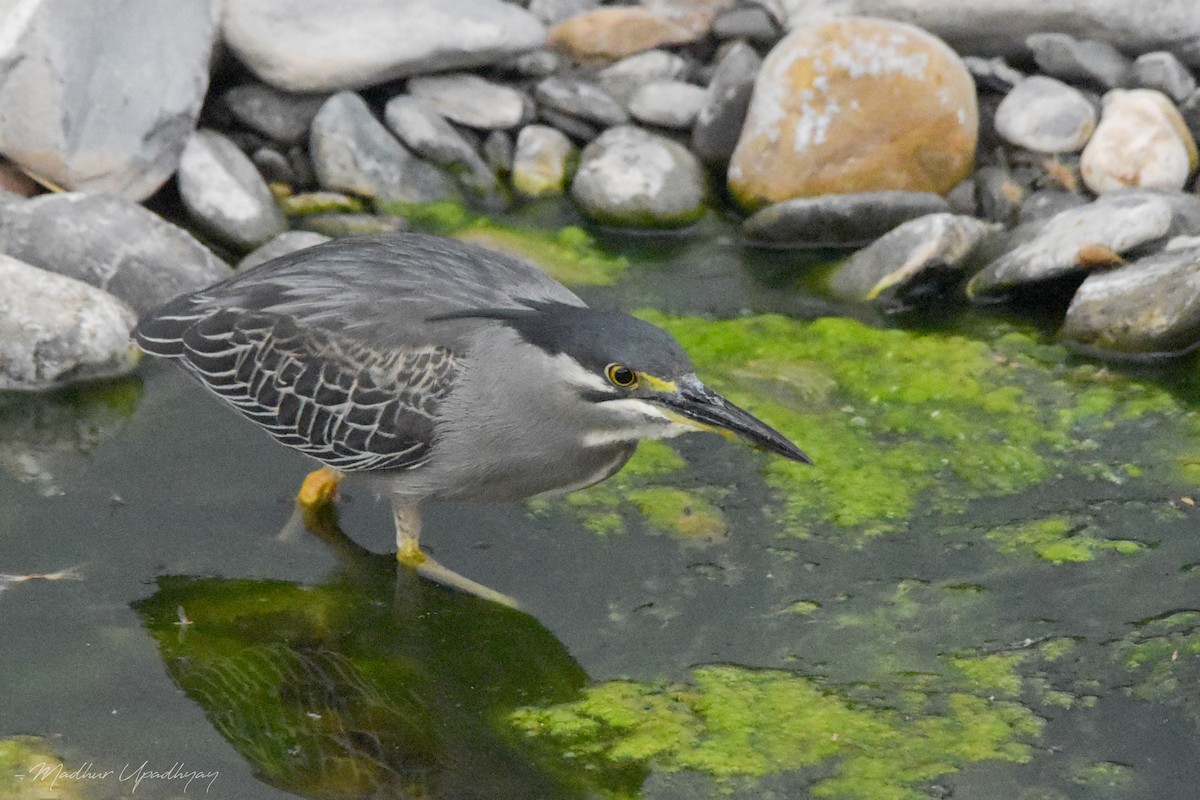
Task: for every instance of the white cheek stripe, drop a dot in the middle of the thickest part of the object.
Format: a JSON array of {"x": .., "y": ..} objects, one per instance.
[
  {"x": 637, "y": 420},
  {"x": 569, "y": 368}
]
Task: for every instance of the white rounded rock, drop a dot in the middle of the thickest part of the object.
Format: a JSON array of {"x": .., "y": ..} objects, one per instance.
[
  {"x": 668, "y": 104},
  {"x": 1046, "y": 115},
  {"x": 1141, "y": 142}
]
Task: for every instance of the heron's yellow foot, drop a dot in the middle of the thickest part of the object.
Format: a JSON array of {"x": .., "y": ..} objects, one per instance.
[
  {"x": 319, "y": 488},
  {"x": 410, "y": 554}
]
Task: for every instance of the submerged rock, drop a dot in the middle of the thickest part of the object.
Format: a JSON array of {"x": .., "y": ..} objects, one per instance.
[
  {"x": 838, "y": 220},
  {"x": 281, "y": 245},
  {"x": 923, "y": 255},
  {"x": 1046, "y": 116},
  {"x": 1141, "y": 142},
  {"x": 56, "y": 330},
  {"x": 470, "y": 100},
  {"x": 541, "y": 161}
]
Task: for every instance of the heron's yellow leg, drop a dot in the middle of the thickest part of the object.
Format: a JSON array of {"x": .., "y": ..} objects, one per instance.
[
  {"x": 408, "y": 534},
  {"x": 319, "y": 487}
]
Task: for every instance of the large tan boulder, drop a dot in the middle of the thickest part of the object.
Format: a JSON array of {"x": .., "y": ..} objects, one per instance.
[{"x": 856, "y": 105}]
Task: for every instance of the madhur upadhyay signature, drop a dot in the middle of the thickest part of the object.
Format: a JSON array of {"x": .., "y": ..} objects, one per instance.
[{"x": 49, "y": 774}]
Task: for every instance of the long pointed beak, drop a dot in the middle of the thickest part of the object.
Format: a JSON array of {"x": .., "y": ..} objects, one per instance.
[{"x": 703, "y": 408}]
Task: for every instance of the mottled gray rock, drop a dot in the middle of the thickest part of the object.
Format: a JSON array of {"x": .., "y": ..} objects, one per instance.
[
  {"x": 281, "y": 245},
  {"x": 541, "y": 161},
  {"x": 580, "y": 99},
  {"x": 838, "y": 220},
  {"x": 353, "y": 152},
  {"x": 1046, "y": 115},
  {"x": 1062, "y": 56},
  {"x": 622, "y": 79},
  {"x": 336, "y": 224},
  {"x": 668, "y": 104},
  {"x": 56, "y": 330},
  {"x": 719, "y": 122},
  {"x": 538, "y": 63},
  {"x": 224, "y": 192},
  {"x": 470, "y": 100},
  {"x": 917, "y": 258},
  {"x": 1149, "y": 307},
  {"x": 429, "y": 134},
  {"x": 273, "y": 165},
  {"x": 498, "y": 151},
  {"x": 315, "y": 45},
  {"x": 1045, "y": 203},
  {"x": 754, "y": 23},
  {"x": 81, "y": 106},
  {"x": 552, "y": 12},
  {"x": 1163, "y": 71},
  {"x": 993, "y": 74},
  {"x": 282, "y": 117},
  {"x": 1141, "y": 142},
  {"x": 631, "y": 177},
  {"x": 577, "y": 129},
  {"x": 111, "y": 243},
  {"x": 1076, "y": 240}
]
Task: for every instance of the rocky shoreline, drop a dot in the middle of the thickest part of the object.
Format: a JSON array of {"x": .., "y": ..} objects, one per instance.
[{"x": 994, "y": 152}]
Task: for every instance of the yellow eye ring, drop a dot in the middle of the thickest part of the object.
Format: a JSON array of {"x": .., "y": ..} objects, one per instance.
[{"x": 620, "y": 375}]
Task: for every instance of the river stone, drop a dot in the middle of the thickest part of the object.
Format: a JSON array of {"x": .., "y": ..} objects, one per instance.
[
  {"x": 1163, "y": 71},
  {"x": 610, "y": 34},
  {"x": 1067, "y": 242},
  {"x": 838, "y": 220},
  {"x": 747, "y": 22},
  {"x": 318, "y": 46},
  {"x": 992, "y": 74},
  {"x": 668, "y": 104},
  {"x": 1045, "y": 203},
  {"x": 470, "y": 100},
  {"x": 852, "y": 106},
  {"x": 1046, "y": 116},
  {"x": 498, "y": 151},
  {"x": 223, "y": 190},
  {"x": 337, "y": 225},
  {"x": 1149, "y": 307},
  {"x": 111, "y": 243},
  {"x": 83, "y": 108},
  {"x": 282, "y": 117},
  {"x": 541, "y": 161},
  {"x": 719, "y": 121},
  {"x": 622, "y": 79},
  {"x": 281, "y": 245},
  {"x": 998, "y": 194},
  {"x": 353, "y": 152},
  {"x": 920, "y": 256},
  {"x": 631, "y": 177},
  {"x": 56, "y": 330},
  {"x": 580, "y": 99},
  {"x": 578, "y": 129},
  {"x": 1062, "y": 56},
  {"x": 1141, "y": 141},
  {"x": 552, "y": 12}
]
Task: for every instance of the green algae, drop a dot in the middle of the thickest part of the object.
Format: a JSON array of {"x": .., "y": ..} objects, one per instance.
[
  {"x": 1163, "y": 654},
  {"x": 306, "y": 203},
  {"x": 1058, "y": 540},
  {"x": 31, "y": 770}
]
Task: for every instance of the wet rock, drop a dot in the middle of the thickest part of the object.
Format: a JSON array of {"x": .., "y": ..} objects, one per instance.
[
  {"x": 1149, "y": 307},
  {"x": 577, "y": 129},
  {"x": 580, "y": 99},
  {"x": 541, "y": 161},
  {"x": 838, "y": 220},
  {"x": 56, "y": 330},
  {"x": 855, "y": 105},
  {"x": 610, "y": 34},
  {"x": 1079, "y": 60},
  {"x": 302, "y": 203},
  {"x": 719, "y": 121},
  {"x": 1141, "y": 141},
  {"x": 668, "y": 104},
  {"x": 282, "y": 117},
  {"x": 281, "y": 245},
  {"x": 625, "y": 77},
  {"x": 353, "y": 152},
  {"x": 1045, "y": 203},
  {"x": 1046, "y": 116},
  {"x": 992, "y": 74},
  {"x": 317, "y": 46},
  {"x": 111, "y": 243},
  {"x": 336, "y": 225},
  {"x": 634, "y": 178},
  {"x": 998, "y": 194},
  {"x": 224, "y": 192},
  {"x": 754, "y": 23},
  {"x": 428, "y": 134},
  {"x": 1075, "y": 240},
  {"x": 918, "y": 257},
  {"x": 470, "y": 100},
  {"x": 552, "y": 12},
  {"x": 1163, "y": 71},
  {"x": 128, "y": 139}
]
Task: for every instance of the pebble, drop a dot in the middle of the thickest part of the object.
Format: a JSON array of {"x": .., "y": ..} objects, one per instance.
[
  {"x": 470, "y": 100},
  {"x": 498, "y": 151},
  {"x": 668, "y": 104},
  {"x": 430, "y": 136},
  {"x": 353, "y": 152},
  {"x": 551, "y": 12},
  {"x": 318, "y": 46},
  {"x": 577, "y": 129},
  {"x": 630, "y": 177},
  {"x": 752, "y": 23},
  {"x": 541, "y": 161},
  {"x": 580, "y": 99},
  {"x": 1046, "y": 115},
  {"x": 719, "y": 121},
  {"x": 281, "y": 245},
  {"x": 1062, "y": 56},
  {"x": 610, "y": 34},
  {"x": 1163, "y": 71},
  {"x": 274, "y": 166},
  {"x": 337, "y": 225},
  {"x": 538, "y": 63},
  {"x": 1141, "y": 142},
  {"x": 1045, "y": 203},
  {"x": 998, "y": 194},
  {"x": 993, "y": 74},
  {"x": 56, "y": 330},
  {"x": 855, "y": 105},
  {"x": 625, "y": 77},
  {"x": 111, "y": 243},
  {"x": 838, "y": 220},
  {"x": 282, "y": 117},
  {"x": 225, "y": 193}
]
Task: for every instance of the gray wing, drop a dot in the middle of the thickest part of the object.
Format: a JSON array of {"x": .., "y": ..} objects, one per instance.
[{"x": 334, "y": 349}]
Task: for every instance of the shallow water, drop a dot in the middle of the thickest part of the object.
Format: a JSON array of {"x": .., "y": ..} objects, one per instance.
[{"x": 1001, "y": 638}]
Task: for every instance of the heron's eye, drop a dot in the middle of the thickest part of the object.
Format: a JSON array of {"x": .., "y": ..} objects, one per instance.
[{"x": 620, "y": 375}]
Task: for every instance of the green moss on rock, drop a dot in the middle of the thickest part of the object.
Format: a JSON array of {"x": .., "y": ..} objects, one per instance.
[{"x": 1058, "y": 540}]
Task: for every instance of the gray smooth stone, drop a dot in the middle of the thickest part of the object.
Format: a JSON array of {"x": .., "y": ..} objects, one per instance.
[
  {"x": 1089, "y": 60},
  {"x": 274, "y": 166},
  {"x": 581, "y": 99},
  {"x": 838, "y": 220},
  {"x": 353, "y": 152},
  {"x": 472, "y": 101},
  {"x": 538, "y": 63},
  {"x": 110, "y": 243},
  {"x": 223, "y": 190},
  {"x": 622, "y": 79},
  {"x": 56, "y": 330},
  {"x": 719, "y": 121},
  {"x": 747, "y": 22},
  {"x": 335, "y": 224},
  {"x": 498, "y": 151},
  {"x": 668, "y": 104},
  {"x": 101, "y": 97},
  {"x": 922, "y": 255},
  {"x": 552, "y": 12},
  {"x": 574, "y": 127},
  {"x": 1046, "y": 115},
  {"x": 1045, "y": 203},
  {"x": 1163, "y": 71},
  {"x": 992, "y": 74},
  {"x": 1149, "y": 307},
  {"x": 281, "y": 245},
  {"x": 280, "y": 116}
]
